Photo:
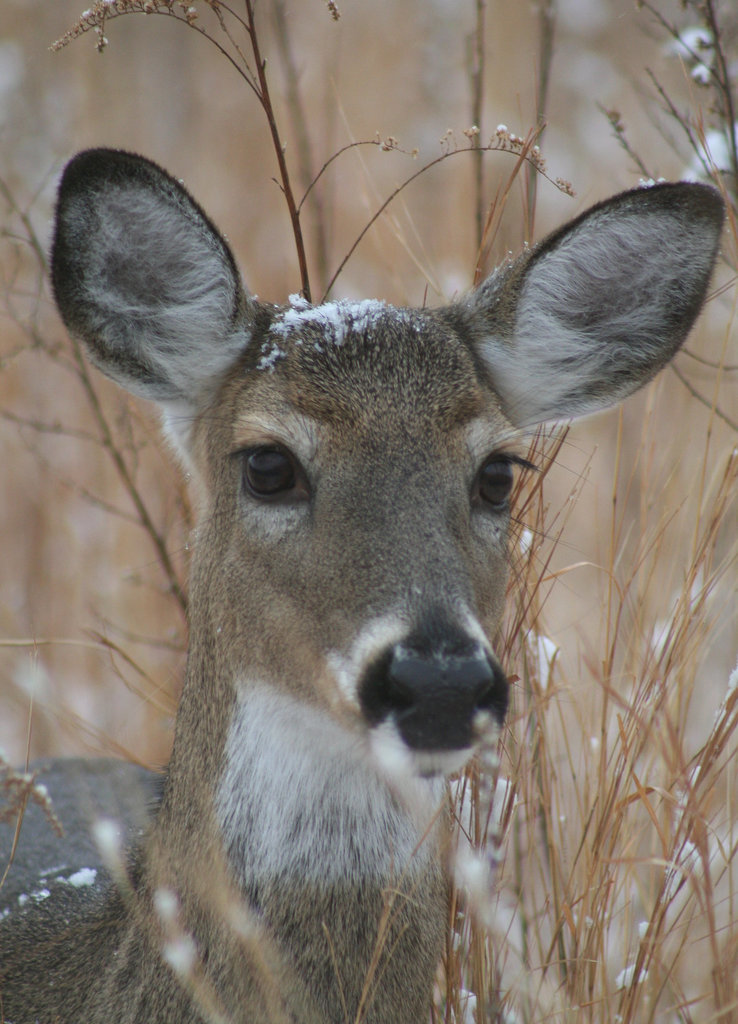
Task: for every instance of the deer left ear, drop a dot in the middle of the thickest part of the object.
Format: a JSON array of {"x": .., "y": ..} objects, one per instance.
[
  {"x": 142, "y": 277},
  {"x": 593, "y": 312}
]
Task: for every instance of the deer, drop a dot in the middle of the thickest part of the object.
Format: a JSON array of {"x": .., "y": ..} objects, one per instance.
[{"x": 353, "y": 464}]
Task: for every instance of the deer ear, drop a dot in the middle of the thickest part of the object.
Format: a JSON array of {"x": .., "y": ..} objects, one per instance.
[
  {"x": 593, "y": 312},
  {"x": 143, "y": 278}
]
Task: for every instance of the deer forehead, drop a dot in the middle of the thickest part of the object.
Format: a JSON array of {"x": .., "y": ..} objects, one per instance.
[{"x": 364, "y": 375}]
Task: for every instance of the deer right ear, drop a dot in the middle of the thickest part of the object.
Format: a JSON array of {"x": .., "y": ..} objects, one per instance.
[
  {"x": 594, "y": 311},
  {"x": 144, "y": 279}
]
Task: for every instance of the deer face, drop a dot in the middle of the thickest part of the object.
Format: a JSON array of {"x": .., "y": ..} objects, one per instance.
[
  {"x": 361, "y": 470},
  {"x": 356, "y": 458}
]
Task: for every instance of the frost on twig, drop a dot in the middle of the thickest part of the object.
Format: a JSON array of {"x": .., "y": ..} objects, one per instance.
[
  {"x": 17, "y": 788},
  {"x": 94, "y": 18}
]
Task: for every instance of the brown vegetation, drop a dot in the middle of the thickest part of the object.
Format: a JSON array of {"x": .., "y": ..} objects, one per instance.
[{"x": 616, "y": 799}]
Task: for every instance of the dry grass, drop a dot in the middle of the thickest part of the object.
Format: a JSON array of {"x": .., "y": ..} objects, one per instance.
[
  {"x": 616, "y": 896},
  {"x": 616, "y": 804}
]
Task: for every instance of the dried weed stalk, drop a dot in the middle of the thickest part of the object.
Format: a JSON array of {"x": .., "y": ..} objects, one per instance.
[{"x": 227, "y": 36}]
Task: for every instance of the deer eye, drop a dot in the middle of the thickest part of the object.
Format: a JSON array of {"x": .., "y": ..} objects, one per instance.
[
  {"x": 494, "y": 482},
  {"x": 271, "y": 473}
]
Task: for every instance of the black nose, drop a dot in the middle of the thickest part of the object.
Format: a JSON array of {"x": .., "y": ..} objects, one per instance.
[{"x": 433, "y": 695}]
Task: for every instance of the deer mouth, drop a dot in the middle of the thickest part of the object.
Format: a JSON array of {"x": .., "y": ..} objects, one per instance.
[{"x": 438, "y": 700}]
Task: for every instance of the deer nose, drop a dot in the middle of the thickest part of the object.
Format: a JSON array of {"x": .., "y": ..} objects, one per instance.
[{"x": 434, "y": 697}]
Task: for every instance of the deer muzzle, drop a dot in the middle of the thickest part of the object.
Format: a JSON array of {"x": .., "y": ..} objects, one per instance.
[{"x": 435, "y": 696}]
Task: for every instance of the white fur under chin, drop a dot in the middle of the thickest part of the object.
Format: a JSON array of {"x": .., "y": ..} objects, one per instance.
[
  {"x": 303, "y": 797},
  {"x": 403, "y": 767}
]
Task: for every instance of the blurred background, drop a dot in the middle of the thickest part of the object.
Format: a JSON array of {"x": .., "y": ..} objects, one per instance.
[{"x": 632, "y": 549}]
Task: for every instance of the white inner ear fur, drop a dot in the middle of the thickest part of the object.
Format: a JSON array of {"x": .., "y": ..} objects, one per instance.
[
  {"x": 593, "y": 317},
  {"x": 163, "y": 291}
]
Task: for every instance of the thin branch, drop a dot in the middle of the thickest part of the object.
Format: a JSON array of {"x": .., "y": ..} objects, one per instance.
[
  {"x": 616, "y": 123},
  {"x": 682, "y": 120},
  {"x": 724, "y": 87},
  {"x": 108, "y": 442},
  {"x": 42, "y": 427},
  {"x": 299, "y": 121},
  {"x": 497, "y": 206},
  {"x": 713, "y": 364},
  {"x": 95, "y": 18},
  {"x": 106, "y": 433},
  {"x": 266, "y": 103},
  {"x": 31, "y": 237},
  {"x": 150, "y": 695},
  {"x": 505, "y": 143},
  {"x": 477, "y": 63},
  {"x": 700, "y": 398},
  {"x": 547, "y": 28},
  {"x": 377, "y": 141},
  {"x": 719, "y": 81}
]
